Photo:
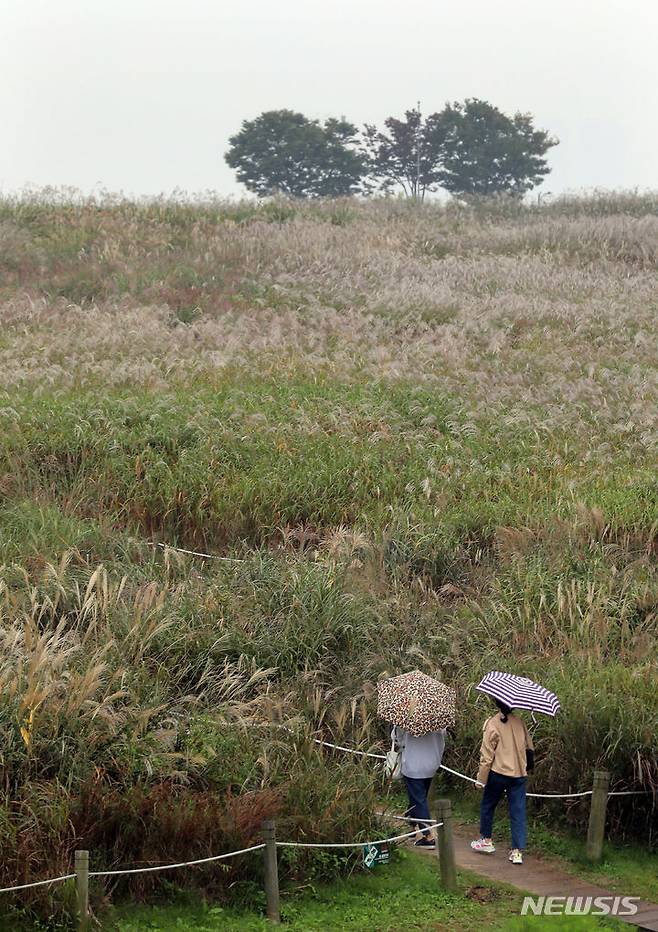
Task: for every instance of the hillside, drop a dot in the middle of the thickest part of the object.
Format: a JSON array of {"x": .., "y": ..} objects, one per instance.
[{"x": 416, "y": 437}]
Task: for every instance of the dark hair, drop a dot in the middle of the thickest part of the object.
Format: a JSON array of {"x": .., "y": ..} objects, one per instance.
[{"x": 504, "y": 710}]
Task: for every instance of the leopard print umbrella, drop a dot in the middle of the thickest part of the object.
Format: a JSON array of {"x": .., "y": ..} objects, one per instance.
[{"x": 416, "y": 702}]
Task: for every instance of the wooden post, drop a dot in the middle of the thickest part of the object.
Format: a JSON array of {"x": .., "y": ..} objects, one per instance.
[
  {"x": 596, "y": 828},
  {"x": 446, "y": 845},
  {"x": 271, "y": 871},
  {"x": 82, "y": 889}
]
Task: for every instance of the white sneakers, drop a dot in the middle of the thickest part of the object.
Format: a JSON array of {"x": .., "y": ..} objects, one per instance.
[
  {"x": 486, "y": 846},
  {"x": 483, "y": 846}
]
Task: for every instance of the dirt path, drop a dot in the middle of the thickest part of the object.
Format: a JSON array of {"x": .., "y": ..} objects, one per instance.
[{"x": 538, "y": 877}]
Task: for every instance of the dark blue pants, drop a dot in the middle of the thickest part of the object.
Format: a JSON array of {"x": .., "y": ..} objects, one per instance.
[
  {"x": 417, "y": 790},
  {"x": 497, "y": 784}
]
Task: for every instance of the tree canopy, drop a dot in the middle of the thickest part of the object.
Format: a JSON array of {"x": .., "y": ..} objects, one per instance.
[
  {"x": 469, "y": 148},
  {"x": 407, "y": 153},
  {"x": 283, "y": 151},
  {"x": 486, "y": 152}
]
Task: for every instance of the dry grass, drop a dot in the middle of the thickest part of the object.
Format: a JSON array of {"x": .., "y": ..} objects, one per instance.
[
  {"x": 427, "y": 435},
  {"x": 514, "y": 314}
]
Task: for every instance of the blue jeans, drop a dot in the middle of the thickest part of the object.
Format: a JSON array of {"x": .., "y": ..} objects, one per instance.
[
  {"x": 417, "y": 791},
  {"x": 497, "y": 784}
]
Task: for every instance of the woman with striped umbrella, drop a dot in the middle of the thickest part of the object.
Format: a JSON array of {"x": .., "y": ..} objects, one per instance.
[{"x": 507, "y": 754}]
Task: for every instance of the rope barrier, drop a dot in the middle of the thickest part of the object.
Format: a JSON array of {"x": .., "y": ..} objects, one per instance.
[
  {"x": 38, "y": 883},
  {"x": 456, "y": 773},
  {"x": 338, "y": 747},
  {"x": 165, "y": 867},
  {"x": 463, "y": 776},
  {"x": 229, "y": 854},
  {"x": 297, "y": 844},
  {"x": 192, "y": 553},
  {"x": 404, "y": 818},
  {"x": 352, "y": 844}
]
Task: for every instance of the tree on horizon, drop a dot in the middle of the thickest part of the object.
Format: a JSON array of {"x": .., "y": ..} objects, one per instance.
[
  {"x": 486, "y": 152},
  {"x": 468, "y": 148},
  {"x": 284, "y": 152},
  {"x": 406, "y": 153}
]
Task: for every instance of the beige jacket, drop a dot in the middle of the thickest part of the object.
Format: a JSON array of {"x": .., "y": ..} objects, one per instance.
[{"x": 503, "y": 747}]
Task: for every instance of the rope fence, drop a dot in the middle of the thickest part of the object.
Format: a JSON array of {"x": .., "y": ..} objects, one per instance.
[
  {"x": 191, "y": 553},
  {"x": 168, "y": 867},
  {"x": 231, "y": 854},
  {"x": 463, "y": 776},
  {"x": 37, "y": 883},
  {"x": 360, "y": 844},
  {"x": 403, "y": 818},
  {"x": 442, "y": 823}
]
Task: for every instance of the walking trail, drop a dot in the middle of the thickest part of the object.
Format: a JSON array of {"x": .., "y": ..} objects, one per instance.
[{"x": 538, "y": 877}]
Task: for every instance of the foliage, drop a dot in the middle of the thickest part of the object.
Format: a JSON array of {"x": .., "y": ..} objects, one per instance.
[
  {"x": 284, "y": 152},
  {"x": 487, "y": 152},
  {"x": 468, "y": 148},
  {"x": 407, "y": 153}
]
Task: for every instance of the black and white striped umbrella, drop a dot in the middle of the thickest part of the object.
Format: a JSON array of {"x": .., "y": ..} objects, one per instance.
[{"x": 518, "y": 692}]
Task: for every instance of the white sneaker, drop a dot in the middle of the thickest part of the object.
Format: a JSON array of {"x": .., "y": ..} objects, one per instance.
[
  {"x": 483, "y": 846},
  {"x": 516, "y": 856}
]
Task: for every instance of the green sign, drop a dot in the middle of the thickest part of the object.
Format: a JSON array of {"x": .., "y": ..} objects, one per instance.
[{"x": 376, "y": 854}]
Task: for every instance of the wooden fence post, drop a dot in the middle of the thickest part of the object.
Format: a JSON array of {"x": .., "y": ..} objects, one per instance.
[
  {"x": 82, "y": 889},
  {"x": 271, "y": 871},
  {"x": 446, "y": 845},
  {"x": 596, "y": 827}
]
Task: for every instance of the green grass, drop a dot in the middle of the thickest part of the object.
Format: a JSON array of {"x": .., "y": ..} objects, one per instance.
[
  {"x": 422, "y": 436},
  {"x": 400, "y": 896},
  {"x": 242, "y": 457}
]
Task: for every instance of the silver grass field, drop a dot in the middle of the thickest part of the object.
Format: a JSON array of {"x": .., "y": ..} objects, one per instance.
[{"x": 417, "y": 436}]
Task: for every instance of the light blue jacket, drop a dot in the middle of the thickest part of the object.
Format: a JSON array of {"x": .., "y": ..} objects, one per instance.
[{"x": 421, "y": 757}]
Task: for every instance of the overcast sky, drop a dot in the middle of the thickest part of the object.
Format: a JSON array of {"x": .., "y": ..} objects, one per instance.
[{"x": 142, "y": 95}]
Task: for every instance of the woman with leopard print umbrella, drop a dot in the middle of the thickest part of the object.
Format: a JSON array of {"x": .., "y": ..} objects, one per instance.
[{"x": 420, "y": 709}]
